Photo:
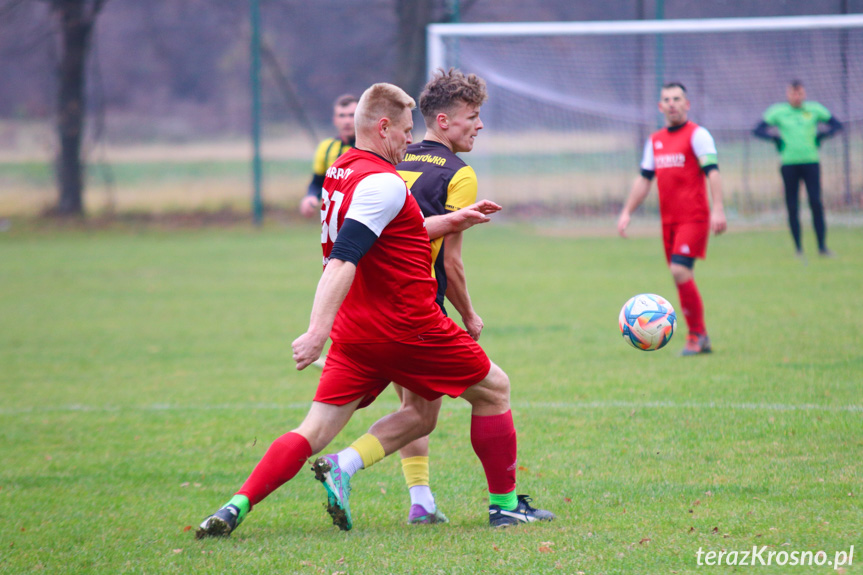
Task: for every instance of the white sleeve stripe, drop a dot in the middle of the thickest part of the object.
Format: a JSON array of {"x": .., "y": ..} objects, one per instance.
[
  {"x": 647, "y": 161},
  {"x": 702, "y": 142},
  {"x": 377, "y": 199}
]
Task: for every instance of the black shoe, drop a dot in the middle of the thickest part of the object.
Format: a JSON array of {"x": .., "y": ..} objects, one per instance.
[
  {"x": 523, "y": 513},
  {"x": 219, "y": 524}
]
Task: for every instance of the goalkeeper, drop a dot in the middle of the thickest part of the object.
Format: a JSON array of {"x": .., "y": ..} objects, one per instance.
[{"x": 794, "y": 127}]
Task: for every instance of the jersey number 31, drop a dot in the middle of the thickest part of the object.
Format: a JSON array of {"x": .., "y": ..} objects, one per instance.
[{"x": 330, "y": 215}]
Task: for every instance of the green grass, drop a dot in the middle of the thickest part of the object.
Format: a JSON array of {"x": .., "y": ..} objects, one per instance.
[
  {"x": 139, "y": 173},
  {"x": 121, "y": 354}
]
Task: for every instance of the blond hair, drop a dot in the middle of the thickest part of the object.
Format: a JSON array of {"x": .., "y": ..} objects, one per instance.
[{"x": 381, "y": 101}]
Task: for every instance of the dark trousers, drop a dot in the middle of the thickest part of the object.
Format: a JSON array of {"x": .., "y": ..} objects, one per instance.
[{"x": 811, "y": 175}]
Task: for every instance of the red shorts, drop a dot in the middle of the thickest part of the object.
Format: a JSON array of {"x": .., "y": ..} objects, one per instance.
[
  {"x": 687, "y": 239},
  {"x": 442, "y": 361}
]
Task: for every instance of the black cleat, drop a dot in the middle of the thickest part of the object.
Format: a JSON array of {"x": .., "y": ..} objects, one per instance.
[
  {"x": 523, "y": 513},
  {"x": 219, "y": 524}
]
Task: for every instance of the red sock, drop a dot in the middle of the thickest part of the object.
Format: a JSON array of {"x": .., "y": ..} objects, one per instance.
[
  {"x": 280, "y": 463},
  {"x": 493, "y": 440},
  {"x": 692, "y": 307}
]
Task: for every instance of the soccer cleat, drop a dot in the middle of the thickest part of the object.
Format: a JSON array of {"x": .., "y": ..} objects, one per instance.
[
  {"x": 338, "y": 486},
  {"x": 419, "y": 516},
  {"x": 221, "y": 523},
  {"x": 696, "y": 344},
  {"x": 523, "y": 513},
  {"x": 826, "y": 253}
]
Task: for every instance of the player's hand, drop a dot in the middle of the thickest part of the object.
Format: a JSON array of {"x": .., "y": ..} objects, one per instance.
[
  {"x": 486, "y": 207},
  {"x": 473, "y": 325},
  {"x": 622, "y": 224},
  {"x": 310, "y": 206},
  {"x": 307, "y": 349},
  {"x": 718, "y": 224},
  {"x": 465, "y": 218}
]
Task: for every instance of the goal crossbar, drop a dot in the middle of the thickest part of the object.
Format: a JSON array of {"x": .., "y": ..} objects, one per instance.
[
  {"x": 437, "y": 32},
  {"x": 572, "y": 103}
]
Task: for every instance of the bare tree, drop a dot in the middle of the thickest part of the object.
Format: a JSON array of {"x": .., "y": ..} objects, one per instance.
[
  {"x": 413, "y": 17},
  {"x": 76, "y": 19}
]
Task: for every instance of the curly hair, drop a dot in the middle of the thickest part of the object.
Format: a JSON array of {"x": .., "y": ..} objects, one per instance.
[{"x": 447, "y": 89}]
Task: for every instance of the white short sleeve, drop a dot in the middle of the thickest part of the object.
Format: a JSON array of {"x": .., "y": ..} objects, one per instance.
[
  {"x": 647, "y": 162},
  {"x": 377, "y": 199},
  {"x": 702, "y": 143}
]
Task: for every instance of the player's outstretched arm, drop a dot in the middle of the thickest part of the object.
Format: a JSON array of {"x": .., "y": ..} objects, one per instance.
[
  {"x": 718, "y": 223},
  {"x": 460, "y": 220},
  {"x": 640, "y": 189},
  {"x": 332, "y": 289},
  {"x": 486, "y": 207}
]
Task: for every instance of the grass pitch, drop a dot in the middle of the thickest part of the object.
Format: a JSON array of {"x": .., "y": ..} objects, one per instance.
[{"x": 143, "y": 375}]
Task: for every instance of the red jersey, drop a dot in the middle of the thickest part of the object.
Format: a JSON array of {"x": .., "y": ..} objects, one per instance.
[
  {"x": 392, "y": 297},
  {"x": 677, "y": 155}
]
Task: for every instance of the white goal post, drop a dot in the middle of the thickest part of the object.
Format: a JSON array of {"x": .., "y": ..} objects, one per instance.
[{"x": 571, "y": 103}]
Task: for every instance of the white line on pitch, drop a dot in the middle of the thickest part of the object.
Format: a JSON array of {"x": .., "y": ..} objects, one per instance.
[
  {"x": 690, "y": 405},
  {"x": 574, "y": 405}
]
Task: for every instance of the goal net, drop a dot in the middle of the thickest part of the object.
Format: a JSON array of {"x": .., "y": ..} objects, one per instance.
[{"x": 571, "y": 104}]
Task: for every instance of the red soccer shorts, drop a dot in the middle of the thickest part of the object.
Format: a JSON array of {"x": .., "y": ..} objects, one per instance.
[
  {"x": 442, "y": 361},
  {"x": 686, "y": 239}
]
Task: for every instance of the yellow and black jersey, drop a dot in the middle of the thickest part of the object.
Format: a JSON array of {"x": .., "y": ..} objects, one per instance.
[
  {"x": 441, "y": 182},
  {"x": 326, "y": 153}
]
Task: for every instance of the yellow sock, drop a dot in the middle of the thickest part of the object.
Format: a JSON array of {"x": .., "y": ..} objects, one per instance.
[
  {"x": 370, "y": 449},
  {"x": 416, "y": 470}
]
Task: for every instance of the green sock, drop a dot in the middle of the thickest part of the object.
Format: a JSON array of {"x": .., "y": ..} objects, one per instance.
[
  {"x": 506, "y": 501},
  {"x": 242, "y": 503}
]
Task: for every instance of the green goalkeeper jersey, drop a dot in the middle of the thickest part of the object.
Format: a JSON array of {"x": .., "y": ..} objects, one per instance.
[{"x": 798, "y": 128}]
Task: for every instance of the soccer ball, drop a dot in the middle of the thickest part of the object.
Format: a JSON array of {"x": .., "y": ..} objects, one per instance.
[{"x": 647, "y": 321}]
